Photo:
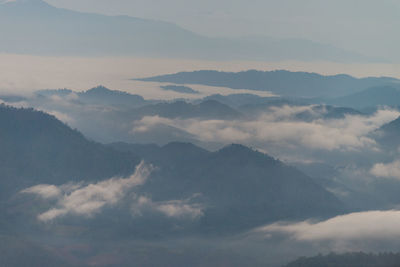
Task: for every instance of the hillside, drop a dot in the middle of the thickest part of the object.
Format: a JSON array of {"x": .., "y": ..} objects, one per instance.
[
  {"x": 371, "y": 97},
  {"x": 389, "y": 135},
  {"x": 240, "y": 187},
  {"x": 209, "y": 109},
  {"x": 37, "y": 148}
]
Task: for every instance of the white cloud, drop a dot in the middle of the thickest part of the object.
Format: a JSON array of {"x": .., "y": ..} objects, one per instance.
[
  {"x": 44, "y": 191},
  {"x": 89, "y": 199},
  {"x": 60, "y": 116},
  {"x": 179, "y": 208},
  {"x": 173, "y": 208},
  {"x": 278, "y": 126},
  {"x": 389, "y": 170},
  {"x": 371, "y": 225}
]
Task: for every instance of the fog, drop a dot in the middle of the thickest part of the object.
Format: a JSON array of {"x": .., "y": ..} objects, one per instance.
[{"x": 25, "y": 74}]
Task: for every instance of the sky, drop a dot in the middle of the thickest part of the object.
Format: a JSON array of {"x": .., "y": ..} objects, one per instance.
[{"x": 367, "y": 26}]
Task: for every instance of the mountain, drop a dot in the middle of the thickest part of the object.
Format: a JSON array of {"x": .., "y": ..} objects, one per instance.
[
  {"x": 310, "y": 112},
  {"x": 104, "y": 96},
  {"x": 280, "y": 82},
  {"x": 391, "y": 127},
  {"x": 179, "y": 89},
  {"x": 231, "y": 191},
  {"x": 12, "y": 249},
  {"x": 99, "y": 95},
  {"x": 126, "y": 125},
  {"x": 37, "y": 148},
  {"x": 236, "y": 182},
  {"x": 326, "y": 112},
  {"x": 240, "y": 188},
  {"x": 240, "y": 100},
  {"x": 389, "y": 135},
  {"x": 209, "y": 109},
  {"x": 114, "y": 114},
  {"x": 371, "y": 97},
  {"x": 35, "y": 27}
]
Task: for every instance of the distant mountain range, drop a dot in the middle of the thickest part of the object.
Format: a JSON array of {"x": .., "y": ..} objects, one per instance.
[
  {"x": 280, "y": 82},
  {"x": 113, "y": 114},
  {"x": 98, "y": 96},
  {"x": 371, "y": 97},
  {"x": 208, "y": 109},
  {"x": 233, "y": 189},
  {"x": 240, "y": 188},
  {"x": 35, "y": 27}
]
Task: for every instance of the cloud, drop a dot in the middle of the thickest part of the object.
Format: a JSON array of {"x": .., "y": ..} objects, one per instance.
[
  {"x": 371, "y": 225},
  {"x": 279, "y": 127},
  {"x": 86, "y": 200},
  {"x": 389, "y": 170},
  {"x": 172, "y": 209},
  {"x": 60, "y": 116},
  {"x": 63, "y": 100},
  {"x": 179, "y": 208},
  {"x": 44, "y": 191}
]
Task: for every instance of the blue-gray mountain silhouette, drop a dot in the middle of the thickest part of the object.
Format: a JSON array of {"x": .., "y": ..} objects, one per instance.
[
  {"x": 281, "y": 82},
  {"x": 235, "y": 182},
  {"x": 241, "y": 188},
  {"x": 35, "y": 27},
  {"x": 37, "y": 148},
  {"x": 179, "y": 89},
  {"x": 99, "y": 95},
  {"x": 388, "y": 95}
]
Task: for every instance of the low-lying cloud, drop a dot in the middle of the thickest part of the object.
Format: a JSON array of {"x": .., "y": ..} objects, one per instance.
[
  {"x": 172, "y": 209},
  {"x": 388, "y": 170},
  {"x": 89, "y": 199},
  {"x": 279, "y": 127},
  {"x": 371, "y": 225}
]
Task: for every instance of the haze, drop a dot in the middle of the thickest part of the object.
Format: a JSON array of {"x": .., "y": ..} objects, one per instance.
[{"x": 367, "y": 26}]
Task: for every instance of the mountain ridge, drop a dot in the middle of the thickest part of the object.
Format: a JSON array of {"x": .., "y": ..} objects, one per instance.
[
  {"x": 55, "y": 31},
  {"x": 280, "y": 82}
]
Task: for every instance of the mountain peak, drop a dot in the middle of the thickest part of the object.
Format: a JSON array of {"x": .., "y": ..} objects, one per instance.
[
  {"x": 26, "y": 3},
  {"x": 243, "y": 154},
  {"x": 99, "y": 89}
]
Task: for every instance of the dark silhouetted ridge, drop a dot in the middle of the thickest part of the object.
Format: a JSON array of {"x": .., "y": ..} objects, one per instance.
[{"x": 37, "y": 148}]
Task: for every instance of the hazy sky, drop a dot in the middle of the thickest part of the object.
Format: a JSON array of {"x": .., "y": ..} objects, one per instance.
[{"x": 367, "y": 26}]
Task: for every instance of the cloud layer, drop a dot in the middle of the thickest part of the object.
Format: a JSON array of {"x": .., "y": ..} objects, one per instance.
[
  {"x": 90, "y": 199},
  {"x": 371, "y": 225},
  {"x": 279, "y": 127}
]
